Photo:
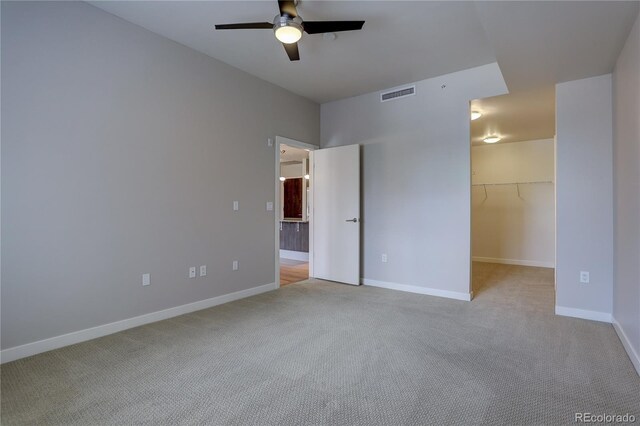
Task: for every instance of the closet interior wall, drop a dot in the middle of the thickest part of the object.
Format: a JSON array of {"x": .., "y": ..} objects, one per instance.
[{"x": 513, "y": 212}]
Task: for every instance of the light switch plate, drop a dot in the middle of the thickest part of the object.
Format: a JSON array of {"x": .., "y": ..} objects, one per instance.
[
  {"x": 269, "y": 206},
  {"x": 146, "y": 279},
  {"x": 192, "y": 272},
  {"x": 203, "y": 270},
  {"x": 235, "y": 265},
  {"x": 584, "y": 277},
  {"x": 235, "y": 206}
]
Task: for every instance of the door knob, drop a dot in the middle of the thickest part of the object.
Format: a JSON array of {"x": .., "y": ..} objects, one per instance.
[{"x": 354, "y": 220}]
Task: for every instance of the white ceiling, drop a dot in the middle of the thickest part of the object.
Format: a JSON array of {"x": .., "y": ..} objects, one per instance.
[
  {"x": 292, "y": 154},
  {"x": 540, "y": 43},
  {"x": 401, "y": 41},
  {"x": 535, "y": 43},
  {"x": 520, "y": 116}
]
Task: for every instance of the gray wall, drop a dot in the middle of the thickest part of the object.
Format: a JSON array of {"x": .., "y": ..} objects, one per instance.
[
  {"x": 584, "y": 211},
  {"x": 415, "y": 176},
  {"x": 122, "y": 153},
  {"x": 626, "y": 148}
]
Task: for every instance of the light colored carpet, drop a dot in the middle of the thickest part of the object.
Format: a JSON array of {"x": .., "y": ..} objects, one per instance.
[{"x": 326, "y": 353}]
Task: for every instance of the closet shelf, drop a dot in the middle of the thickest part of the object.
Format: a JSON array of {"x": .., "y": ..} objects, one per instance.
[
  {"x": 517, "y": 184},
  {"x": 512, "y": 183}
]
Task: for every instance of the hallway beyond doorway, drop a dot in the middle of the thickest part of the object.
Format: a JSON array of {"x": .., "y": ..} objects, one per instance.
[{"x": 293, "y": 271}]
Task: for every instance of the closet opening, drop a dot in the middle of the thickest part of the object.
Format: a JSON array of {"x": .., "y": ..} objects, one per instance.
[{"x": 513, "y": 198}]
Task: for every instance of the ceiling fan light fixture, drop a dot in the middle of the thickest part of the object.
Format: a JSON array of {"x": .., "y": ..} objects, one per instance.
[
  {"x": 288, "y": 27},
  {"x": 492, "y": 139},
  {"x": 287, "y": 30}
]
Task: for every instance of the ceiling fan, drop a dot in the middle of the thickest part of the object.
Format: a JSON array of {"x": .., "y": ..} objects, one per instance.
[{"x": 288, "y": 27}]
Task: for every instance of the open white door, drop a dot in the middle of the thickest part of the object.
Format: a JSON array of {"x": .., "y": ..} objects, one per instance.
[{"x": 336, "y": 214}]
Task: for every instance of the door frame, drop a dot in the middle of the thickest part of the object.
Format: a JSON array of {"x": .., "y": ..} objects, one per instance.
[{"x": 276, "y": 205}]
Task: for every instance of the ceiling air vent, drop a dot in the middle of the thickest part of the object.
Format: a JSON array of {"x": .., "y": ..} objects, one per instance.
[{"x": 398, "y": 93}]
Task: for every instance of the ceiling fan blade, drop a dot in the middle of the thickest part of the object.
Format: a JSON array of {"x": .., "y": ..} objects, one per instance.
[
  {"x": 316, "y": 27},
  {"x": 288, "y": 7},
  {"x": 292, "y": 51},
  {"x": 246, "y": 26}
]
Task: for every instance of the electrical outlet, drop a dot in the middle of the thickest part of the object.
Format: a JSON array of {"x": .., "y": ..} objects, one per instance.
[
  {"x": 269, "y": 142},
  {"x": 584, "y": 277},
  {"x": 235, "y": 206},
  {"x": 146, "y": 279},
  {"x": 203, "y": 270},
  {"x": 384, "y": 257},
  {"x": 192, "y": 272},
  {"x": 235, "y": 265}
]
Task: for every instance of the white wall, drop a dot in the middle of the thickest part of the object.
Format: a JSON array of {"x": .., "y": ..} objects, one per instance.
[
  {"x": 415, "y": 179},
  {"x": 626, "y": 160},
  {"x": 584, "y": 197},
  {"x": 122, "y": 153},
  {"x": 292, "y": 170},
  {"x": 507, "y": 228}
]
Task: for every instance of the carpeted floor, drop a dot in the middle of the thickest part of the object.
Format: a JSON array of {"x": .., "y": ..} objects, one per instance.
[{"x": 325, "y": 353}]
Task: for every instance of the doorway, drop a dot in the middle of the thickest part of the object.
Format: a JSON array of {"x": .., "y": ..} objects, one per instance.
[
  {"x": 513, "y": 198},
  {"x": 293, "y": 210}
]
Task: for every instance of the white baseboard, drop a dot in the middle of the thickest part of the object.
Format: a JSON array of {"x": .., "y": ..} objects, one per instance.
[
  {"x": 633, "y": 355},
  {"x": 584, "y": 314},
  {"x": 294, "y": 255},
  {"x": 416, "y": 289},
  {"x": 17, "y": 352},
  {"x": 538, "y": 263}
]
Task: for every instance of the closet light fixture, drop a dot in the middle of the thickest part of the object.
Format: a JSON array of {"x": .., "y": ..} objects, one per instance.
[
  {"x": 475, "y": 115},
  {"x": 282, "y": 178},
  {"x": 492, "y": 139},
  {"x": 306, "y": 177}
]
